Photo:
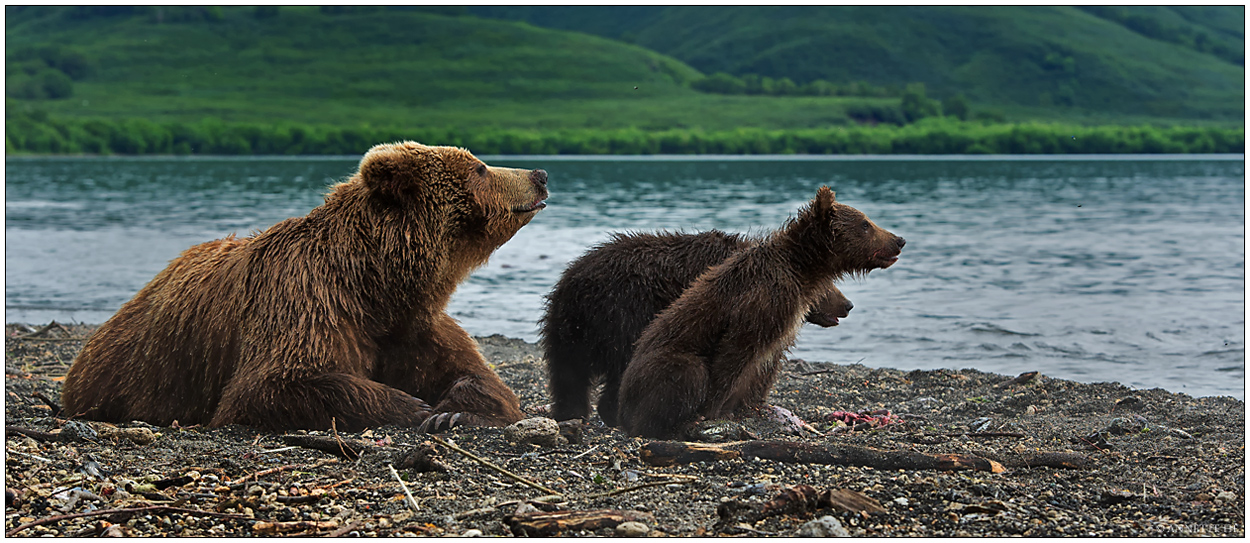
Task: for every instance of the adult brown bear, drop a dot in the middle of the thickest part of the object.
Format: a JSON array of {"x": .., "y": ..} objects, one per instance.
[
  {"x": 604, "y": 300},
  {"x": 703, "y": 357},
  {"x": 336, "y": 315}
]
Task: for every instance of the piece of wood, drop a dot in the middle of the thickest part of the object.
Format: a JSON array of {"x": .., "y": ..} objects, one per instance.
[
  {"x": 265, "y": 527},
  {"x": 795, "y": 500},
  {"x": 542, "y": 523},
  {"x": 488, "y": 464},
  {"x": 849, "y": 500},
  {"x": 33, "y": 434},
  {"x": 349, "y": 449},
  {"x": 1018, "y": 380},
  {"x": 668, "y": 453}
]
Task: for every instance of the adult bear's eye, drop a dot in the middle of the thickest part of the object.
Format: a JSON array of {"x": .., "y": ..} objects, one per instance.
[
  {"x": 867, "y": 226},
  {"x": 481, "y": 170}
]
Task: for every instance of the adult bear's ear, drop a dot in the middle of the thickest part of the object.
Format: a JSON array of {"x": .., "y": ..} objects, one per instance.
[{"x": 390, "y": 168}]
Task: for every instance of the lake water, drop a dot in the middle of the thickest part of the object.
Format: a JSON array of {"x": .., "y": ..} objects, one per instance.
[{"x": 1128, "y": 269}]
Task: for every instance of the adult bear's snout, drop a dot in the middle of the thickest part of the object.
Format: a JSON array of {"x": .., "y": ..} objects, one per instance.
[{"x": 539, "y": 177}]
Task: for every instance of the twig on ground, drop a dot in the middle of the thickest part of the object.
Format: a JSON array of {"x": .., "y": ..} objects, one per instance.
[
  {"x": 345, "y": 529},
  {"x": 133, "y": 510},
  {"x": 412, "y": 502},
  {"x": 334, "y": 428},
  {"x": 11, "y": 451},
  {"x": 1018, "y": 380},
  {"x": 588, "y": 451},
  {"x": 56, "y": 408},
  {"x": 266, "y": 527},
  {"x": 239, "y": 484},
  {"x": 33, "y": 434},
  {"x": 978, "y": 434},
  {"x": 43, "y": 330},
  {"x": 486, "y": 463}
]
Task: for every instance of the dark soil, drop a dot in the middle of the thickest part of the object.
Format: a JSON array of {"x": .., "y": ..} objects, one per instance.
[{"x": 1162, "y": 464}]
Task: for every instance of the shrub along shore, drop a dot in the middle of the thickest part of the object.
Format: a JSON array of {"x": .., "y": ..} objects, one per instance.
[{"x": 40, "y": 134}]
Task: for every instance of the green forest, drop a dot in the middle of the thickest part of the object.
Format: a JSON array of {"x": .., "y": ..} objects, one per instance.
[{"x": 624, "y": 79}]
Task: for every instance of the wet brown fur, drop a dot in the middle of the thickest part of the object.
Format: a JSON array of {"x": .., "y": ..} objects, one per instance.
[
  {"x": 705, "y": 356},
  {"x": 339, "y": 314},
  {"x": 604, "y": 300}
]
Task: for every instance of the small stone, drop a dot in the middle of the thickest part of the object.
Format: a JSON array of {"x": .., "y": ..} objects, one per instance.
[
  {"x": 632, "y": 529},
  {"x": 255, "y": 490},
  {"x": 1030, "y": 410},
  {"x": 1225, "y": 496},
  {"x": 472, "y": 533},
  {"x": 901, "y": 501},
  {"x": 826, "y": 526},
  {"x": 537, "y": 430}
]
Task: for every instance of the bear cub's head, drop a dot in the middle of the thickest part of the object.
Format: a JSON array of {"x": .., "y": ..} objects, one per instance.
[
  {"x": 856, "y": 244},
  {"x": 450, "y": 184}
]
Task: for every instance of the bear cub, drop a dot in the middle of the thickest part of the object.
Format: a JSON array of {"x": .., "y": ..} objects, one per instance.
[
  {"x": 708, "y": 353},
  {"x": 604, "y": 300}
]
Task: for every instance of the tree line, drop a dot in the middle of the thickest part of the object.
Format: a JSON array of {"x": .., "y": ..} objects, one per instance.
[{"x": 37, "y": 133}]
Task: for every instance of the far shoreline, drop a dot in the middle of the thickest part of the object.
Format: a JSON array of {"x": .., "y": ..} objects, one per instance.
[{"x": 766, "y": 157}]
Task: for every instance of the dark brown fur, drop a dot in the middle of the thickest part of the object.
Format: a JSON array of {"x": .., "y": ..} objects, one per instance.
[
  {"x": 706, "y": 355},
  {"x": 605, "y": 299},
  {"x": 339, "y": 314}
]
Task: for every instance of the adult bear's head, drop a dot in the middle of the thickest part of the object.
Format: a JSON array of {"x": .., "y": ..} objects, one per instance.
[{"x": 448, "y": 188}]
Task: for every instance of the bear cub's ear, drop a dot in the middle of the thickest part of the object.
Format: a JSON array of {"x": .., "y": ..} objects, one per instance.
[{"x": 822, "y": 207}]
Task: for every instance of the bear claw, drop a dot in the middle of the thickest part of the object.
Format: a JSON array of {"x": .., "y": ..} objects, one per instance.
[{"x": 440, "y": 423}]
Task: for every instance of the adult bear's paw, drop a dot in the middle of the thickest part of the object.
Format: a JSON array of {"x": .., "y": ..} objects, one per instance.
[{"x": 443, "y": 422}]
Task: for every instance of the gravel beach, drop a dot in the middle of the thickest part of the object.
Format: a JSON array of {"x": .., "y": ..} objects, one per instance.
[{"x": 1064, "y": 458}]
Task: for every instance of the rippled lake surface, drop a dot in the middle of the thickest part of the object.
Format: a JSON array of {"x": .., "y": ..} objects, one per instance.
[{"x": 1128, "y": 269}]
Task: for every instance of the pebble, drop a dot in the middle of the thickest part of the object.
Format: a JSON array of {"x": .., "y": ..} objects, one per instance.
[
  {"x": 1225, "y": 496},
  {"x": 472, "y": 533},
  {"x": 632, "y": 529},
  {"x": 537, "y": 430},
  {"x": 825, "y": 526}
]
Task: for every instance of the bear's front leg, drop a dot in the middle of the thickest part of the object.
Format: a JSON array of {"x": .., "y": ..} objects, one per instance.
[
  {"x": 317, "y": 402},
  {"x": 439, "y": 361}
]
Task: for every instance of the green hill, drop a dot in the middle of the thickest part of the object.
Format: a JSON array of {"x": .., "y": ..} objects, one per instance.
[
  {"x": 334, "y": 79},
  {"x": 1157, "y": 61},
  {"x": 303, "y": 65}
]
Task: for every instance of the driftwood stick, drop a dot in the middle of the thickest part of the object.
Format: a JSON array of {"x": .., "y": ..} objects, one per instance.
[
  {"x": 667, "y": 453},
  {"x": 264, "y": 527},
  {"x": 33, "y": 434},
  {"x": 40, "y": 458},
  {"x": 349, "y": 449},
  {"x": 486, "y": 463},
  {"x": 978, "y": 434},
  {"x": 129, "y": 511},
  {"x": 1018, "y": 380},
  {"x": 255, "y": 476},
  {"x": 412, "y": 502},
  {"x": 345, "y": 529},
  {"x": 541, "y": 523}
]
